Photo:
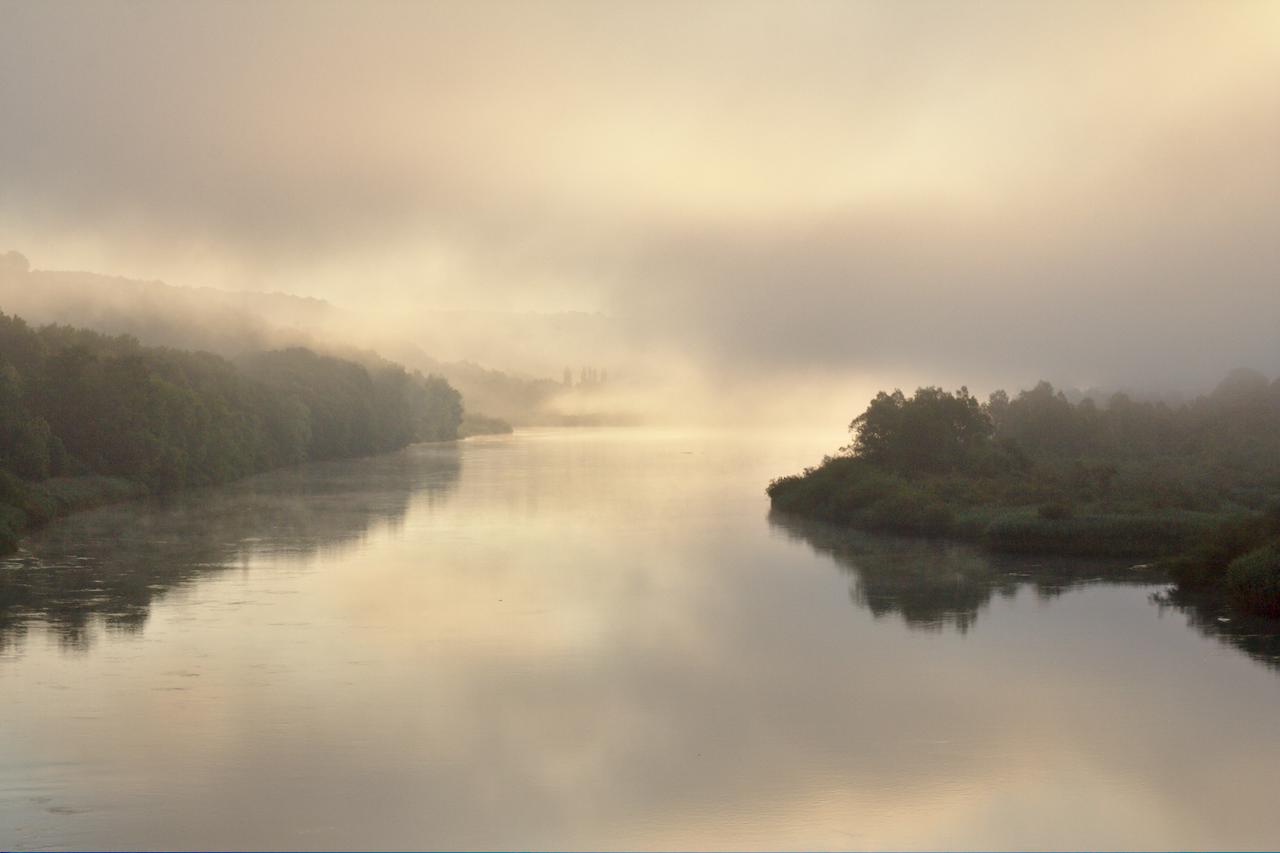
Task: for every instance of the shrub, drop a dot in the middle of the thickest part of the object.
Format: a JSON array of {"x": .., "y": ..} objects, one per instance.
[
  {"x": 1055, "y": 511},
  {"x": 1253, "y": 580},
  {"x": 1215, "y": 550},
  {"x": 1095, "y": 535},
  {"x": 904, "y": 512},
  {"x": 12, "y": 521}
]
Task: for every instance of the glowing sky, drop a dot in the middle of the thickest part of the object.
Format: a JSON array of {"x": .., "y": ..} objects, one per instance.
[{"x": 785, "y": 185}]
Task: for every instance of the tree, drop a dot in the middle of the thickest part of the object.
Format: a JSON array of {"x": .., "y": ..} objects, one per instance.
[
  {"x": 932, "y": 431},
  {"x": 25, "y": 439}
]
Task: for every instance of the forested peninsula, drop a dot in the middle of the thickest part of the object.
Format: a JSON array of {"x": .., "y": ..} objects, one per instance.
[
  {"x": 87, "y": 418},
  {"x": 1195, "y": 486}
]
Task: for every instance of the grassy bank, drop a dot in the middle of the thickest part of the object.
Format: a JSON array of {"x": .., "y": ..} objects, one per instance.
[
  {"x": 26, "y": 506},
  {"x": 1234, "y": 551},
  {"x": 847, "y": 490}
]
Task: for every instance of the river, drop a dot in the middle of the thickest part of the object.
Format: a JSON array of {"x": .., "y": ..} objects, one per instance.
[{"x": 600, "y": 638}]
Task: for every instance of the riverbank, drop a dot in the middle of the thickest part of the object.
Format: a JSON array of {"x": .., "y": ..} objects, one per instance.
[
  {"x": 87, "y": 418},
  {"x": 25, "y": 507},
  {"x": 28, "y": 506},
  {"x": 1234, "y": 551},
  {"x": 477, "y": 424},
  {"x": 853, "y": 492},
  {"x": 1195, "y": 486}
]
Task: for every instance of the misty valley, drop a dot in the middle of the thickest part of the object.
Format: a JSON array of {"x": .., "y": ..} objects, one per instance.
[
  {"x": 354, "y": 612},
  {"x": 624, "y": 425}
]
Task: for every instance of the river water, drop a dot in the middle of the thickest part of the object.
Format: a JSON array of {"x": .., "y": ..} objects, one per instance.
[{"x": 600, "y": 638}]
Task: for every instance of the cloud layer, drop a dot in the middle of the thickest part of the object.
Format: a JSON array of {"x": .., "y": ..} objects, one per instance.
[{"x": 990, "y": 190}]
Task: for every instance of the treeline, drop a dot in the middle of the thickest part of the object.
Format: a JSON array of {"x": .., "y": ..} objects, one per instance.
[
  {"x": 1198, "y": 482},
  {"x": 231, "y": 323},
  {"x": 588, "y": 377},
  {"x": 75, "y": 403}
]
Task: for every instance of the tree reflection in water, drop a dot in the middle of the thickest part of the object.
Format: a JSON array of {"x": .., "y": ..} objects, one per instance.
[
  {"x": 1256, "y": 636},
  {"x": 104, "y": 568},
  {"x": 932, "y": 584}
]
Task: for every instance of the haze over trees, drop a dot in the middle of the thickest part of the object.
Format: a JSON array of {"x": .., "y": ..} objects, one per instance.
[
  {"x": 1038, "y": 473},
  {"x": 234, "y": 323},
  {"x": 76, "y": 403}
]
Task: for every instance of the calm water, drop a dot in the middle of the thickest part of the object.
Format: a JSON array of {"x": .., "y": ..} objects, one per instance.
[{"x": 601, "y": 639}]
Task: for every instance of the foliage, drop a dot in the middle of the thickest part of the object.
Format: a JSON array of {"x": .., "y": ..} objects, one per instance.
[
  {"x": 75, "y": 402},
  {"x": 1253, "y": 579},
  {"x": 1206, "y": 565},
  {"x": 1038, "y": 472},
  {"x": 933, "y": 430},
  {"x": 1135, "y": 535}
]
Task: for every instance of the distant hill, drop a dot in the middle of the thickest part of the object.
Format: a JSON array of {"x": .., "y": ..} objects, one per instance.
[
  {"x": 156, "y": 313},
  {"x": 232, "y": 323}
]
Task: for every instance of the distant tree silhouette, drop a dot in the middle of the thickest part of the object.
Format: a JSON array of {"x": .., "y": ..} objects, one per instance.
[{"x": 933, "y": 430}]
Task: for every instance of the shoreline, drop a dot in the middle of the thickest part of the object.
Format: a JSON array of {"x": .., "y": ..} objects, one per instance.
[
  {"x": 1148, "y": 535},
  {"x": 1231, "y": 552},
  {"x": 58, "y": 497}
]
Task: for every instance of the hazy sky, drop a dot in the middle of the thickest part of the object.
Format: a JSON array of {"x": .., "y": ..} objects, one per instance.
[{"x": 1089, "y": 191}]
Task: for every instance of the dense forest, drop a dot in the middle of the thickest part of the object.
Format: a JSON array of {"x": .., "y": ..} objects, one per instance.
[
  {"x": 86, "y": 416},
  {"x": 1197, "y": 484},
  {"x": 232, "y": 323}
]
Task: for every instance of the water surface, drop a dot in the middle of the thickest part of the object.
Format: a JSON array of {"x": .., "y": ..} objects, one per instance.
[{"x": 600, "y": 638}]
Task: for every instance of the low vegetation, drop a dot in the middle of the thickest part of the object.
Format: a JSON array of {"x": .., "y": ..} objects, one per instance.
[
  {"x": 475, "y": 424},
  {"x": 86, "y": 417},
  {"x": 1196, "y": 485}
]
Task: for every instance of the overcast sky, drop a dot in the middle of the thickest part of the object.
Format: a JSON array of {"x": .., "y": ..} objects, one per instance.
[{"x": 1087, "y": 191}]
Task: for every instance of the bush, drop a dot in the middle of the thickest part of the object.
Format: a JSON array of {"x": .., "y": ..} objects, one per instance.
[
  {"x": 1214, "y": 551},
  {"x": 12, "y": 490},
  {"x": 1253, "y": 580},
  {"x": 1055, "y": 511},
  {"x": 1096, "y": 535},
  {"x": 12, "y": 521},
  {"x": 903, "y": 512}
]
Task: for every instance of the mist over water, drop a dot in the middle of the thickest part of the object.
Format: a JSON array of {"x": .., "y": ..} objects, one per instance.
[
  {"x": 585, "y": 638},
  {"x": 455, "y": 345}
]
